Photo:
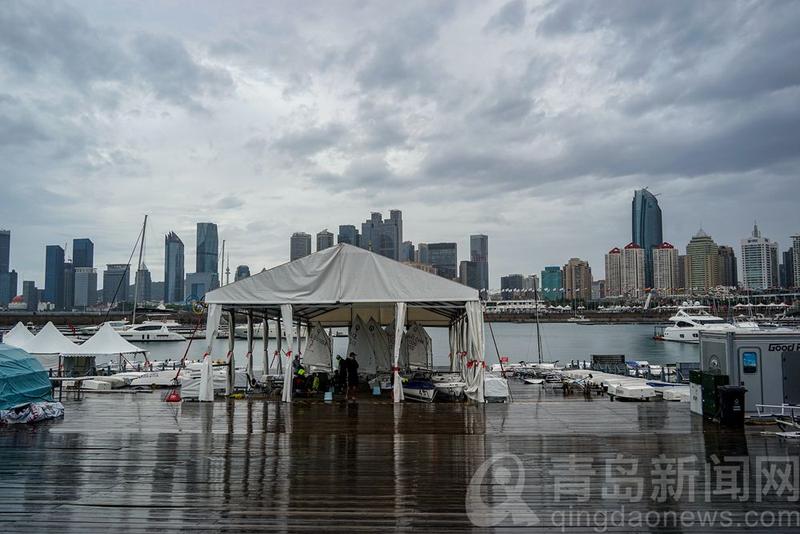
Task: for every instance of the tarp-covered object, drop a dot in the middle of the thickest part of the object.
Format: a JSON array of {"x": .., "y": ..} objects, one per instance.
[
  {"x": 17, "y": 336},
  {"x": 318, "y": 351},
  {"x": 106, "y": 341},
  {"x": 50, "y": 341},
  {"x": 23, "y": 380}
]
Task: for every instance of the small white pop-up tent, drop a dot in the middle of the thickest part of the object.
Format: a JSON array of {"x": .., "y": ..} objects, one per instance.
[
  {"x": 106, "y": 341},
  {"x": 337, "y": 286},
  {"x": 18, "y": 336},
  {"x": 49, "y": 340}
]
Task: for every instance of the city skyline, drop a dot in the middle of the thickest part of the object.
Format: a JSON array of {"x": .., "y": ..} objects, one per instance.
[{"x": 542, "y": 148}]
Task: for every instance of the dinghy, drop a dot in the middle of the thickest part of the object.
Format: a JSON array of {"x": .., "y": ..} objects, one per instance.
[
  {"x": 449, "y": 385},
  {"x": 533, "y": 381},
  {"x": 419, "y": 389}
]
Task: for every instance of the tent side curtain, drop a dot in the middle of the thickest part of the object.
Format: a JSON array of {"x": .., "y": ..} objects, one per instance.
[
  {"x": 399, "y": 321},
  {"x": 286, "y": 318},
  {"x": 207, "y": 371},
  {"x": 475, "y": 353}
]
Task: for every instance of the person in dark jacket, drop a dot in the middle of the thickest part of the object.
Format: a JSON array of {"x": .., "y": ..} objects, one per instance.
[{"x": 351, "y": 370}]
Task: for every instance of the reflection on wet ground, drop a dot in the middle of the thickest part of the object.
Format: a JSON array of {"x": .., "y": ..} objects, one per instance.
[{"x": 132, "y": 462}]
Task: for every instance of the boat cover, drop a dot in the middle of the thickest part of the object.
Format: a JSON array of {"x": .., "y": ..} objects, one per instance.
[{"x": 23, "y": 380}]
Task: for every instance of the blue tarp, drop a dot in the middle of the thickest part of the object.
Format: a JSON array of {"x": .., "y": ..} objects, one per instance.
[{"x": 22, "y": 378}]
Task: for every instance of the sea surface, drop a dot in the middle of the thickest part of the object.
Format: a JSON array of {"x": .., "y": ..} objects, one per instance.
[{"x": 561, "y": 342}]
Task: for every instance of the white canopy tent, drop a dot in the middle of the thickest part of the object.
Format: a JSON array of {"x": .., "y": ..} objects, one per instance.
[
  {"x": 105, "y": 341},
  {"x": 18, "y": 336},
  {"x": 335, "y": 286},
  {"x": 49, "y": 341}
]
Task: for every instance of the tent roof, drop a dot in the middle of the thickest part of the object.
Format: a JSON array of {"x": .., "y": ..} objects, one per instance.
[
  {"x": 332, "y": 285},
  {"x": 49, "y": 341},
  {"x": 17, "y": 336},
  {"x": 106, "y": 341}
]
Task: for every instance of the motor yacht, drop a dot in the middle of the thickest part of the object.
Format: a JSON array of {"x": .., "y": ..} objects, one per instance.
[
  {"x": 116, "y": 325},
  {"x": 691, "y": 318},
  {"x": 151, "y": 331}
]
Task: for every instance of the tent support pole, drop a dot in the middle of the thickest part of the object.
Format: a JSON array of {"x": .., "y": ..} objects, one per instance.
[{"x": 231, "y": 342}]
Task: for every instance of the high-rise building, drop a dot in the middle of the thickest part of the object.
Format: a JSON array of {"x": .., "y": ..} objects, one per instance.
[
  {"x": 198, "y": 284},
  {"x": 702, "y": 262},
  {"x": 144, "y": 285},
  {"x": 469, "y": 274},
  {"x": 69, "y": 285},
  {"x": 633, "y": 270},
  {"x": 116, "y": 279},
  {"x": 8, "y": 287},
  {"x": 646, "y": 228},
  {"x": 383, "y": 236},
  {"x": 531, "y": 284},
  {"x": 479, "y": 253},
  {"x": 665, "y": 268},
  {"x": 796, "y": 259},
  {"x": 5, "y": 251},
  {"x": 173, "y": 268},
  {"x": 759, "y": 262},
  {"x": 577, "y": 280},
  {"x": 324, "y": 240},
  {"x": 683, "y": 273},
  {"x": 422, "y": 255},
  {"x": 614, "y": 272},
  {"x": 787, "y": 269},
  {"x": 407, "y": 252},
  {"x": 30, "y": 294},
  {"x": 82, "y": 253},
  {"x": 207, "y": 260},
  {"x": 727, "y": 270},
  {"x": 598, "y": 290},
  {"x": 242, "y": 272},
  {"x": 348, "y": 234},
  {"x": 54, "y": 276},
  {"x": 85, "y": 287},
  {"x": 511, "y": 286},
  {"x": 444, "y": 258},
  {"x": 552, "y": 283},
  {"x": 299, "y": 245}
]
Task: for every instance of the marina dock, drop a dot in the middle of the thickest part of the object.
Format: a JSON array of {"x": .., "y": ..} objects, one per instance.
[{"x": 130, "y": 462}]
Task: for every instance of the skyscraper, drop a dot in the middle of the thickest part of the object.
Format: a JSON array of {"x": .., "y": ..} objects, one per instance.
[
  {"x": 511, "y": 286},
  {"x": 299, "y": 245},
  {"x": 422, "y": 255},
  {"x": 69, "y": 285},
  {"x": 479, "y": 253},
  {"x": 796, "y": 259},
  {"x": 577, "y": 280},
  {"x": 82, "y": 253},
  {"x": 324, "y": 240},
  {"x": 348, "y": 234},
  {"x": 85, "y": 287},
  {"x": 407, "y": 251},
  {"x": 702, "y": 265},
  {"x": 759, "y": 262},
  {"x": 787, "y": 269},
  {"x": 116, "y": 279},
  {"x": 242, "y": 272},
  {"x": 207, "y": 248},
  {"x": 614, "y": 272},
  {"x": 633, "y": 270},
  {"x": 728, "y": 272},
  {"x": 646, "y": 228},
  {"x": 30, "y": 294},
  {"x": 54, "y": 276},
  {"x": 383, "y": 236},
  {"x": 173, "y": 268},
  {"x": 552, "y": 283},
  {"x": 5, "y": 250},
  {"x": 143, "y": 283},
  {"x": 469, "y": 274},
  {"x": 444, "y": 257},
  {"x": 665, "y": 268}
]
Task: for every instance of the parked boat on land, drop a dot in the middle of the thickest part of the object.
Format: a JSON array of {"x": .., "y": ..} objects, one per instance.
[{"x": 419, "y": 388}]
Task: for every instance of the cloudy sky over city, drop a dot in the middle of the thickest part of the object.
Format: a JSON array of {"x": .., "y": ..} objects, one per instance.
[{"x": 530, "y": 121}]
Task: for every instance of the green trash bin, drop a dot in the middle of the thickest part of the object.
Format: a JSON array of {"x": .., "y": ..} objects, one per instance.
[{"x": 731, "y": 405}]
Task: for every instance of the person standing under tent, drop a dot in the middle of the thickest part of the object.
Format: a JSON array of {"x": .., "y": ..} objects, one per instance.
[
  {"x": 352, "y": 376},
  {"x": 340, "y": 381}
]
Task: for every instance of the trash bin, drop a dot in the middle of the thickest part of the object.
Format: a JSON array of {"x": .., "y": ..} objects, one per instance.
[{"x": 731, "y": 404}]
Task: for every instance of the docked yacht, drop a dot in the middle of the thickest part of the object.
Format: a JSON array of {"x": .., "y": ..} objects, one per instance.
[
  {"x": 119, "y": 326},
  {"x": 151, "y": 331},
  {"x": 691, "y": 318}
]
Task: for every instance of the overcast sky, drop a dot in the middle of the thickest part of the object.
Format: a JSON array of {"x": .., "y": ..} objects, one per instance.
[{"x": 530, "y": 121}]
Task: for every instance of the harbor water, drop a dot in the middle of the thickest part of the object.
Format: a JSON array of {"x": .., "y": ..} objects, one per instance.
[{"x": 561, "y": 342}]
